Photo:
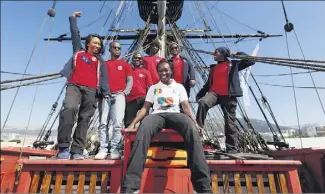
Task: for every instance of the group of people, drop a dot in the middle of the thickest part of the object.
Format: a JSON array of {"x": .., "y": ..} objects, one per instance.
[{"x": 125, "y": 94}]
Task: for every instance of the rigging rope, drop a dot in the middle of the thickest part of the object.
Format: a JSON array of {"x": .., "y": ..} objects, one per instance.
[
  {"x": 50, "y": 13},
  {"x": 30, "y": 78},
  {"x": 30, "y": 83},
  {"x": 27, "y": 65},
  {"x": 292, "y": 80},
  {"x": 286, "y": 86},
  {"x": 14, "y": 73}
]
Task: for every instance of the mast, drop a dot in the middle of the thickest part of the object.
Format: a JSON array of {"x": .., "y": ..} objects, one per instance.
[{"x": 161, "y": 5}]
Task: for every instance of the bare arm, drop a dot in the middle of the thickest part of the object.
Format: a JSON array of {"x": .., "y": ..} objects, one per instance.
[{"x": 142, "y": 113}]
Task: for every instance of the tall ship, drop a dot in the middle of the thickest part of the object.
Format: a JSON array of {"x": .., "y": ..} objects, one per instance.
[{"x": 262, "y": 163}]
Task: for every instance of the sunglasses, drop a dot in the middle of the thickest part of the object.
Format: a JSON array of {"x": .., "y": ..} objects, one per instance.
[
  {"x": 137, "y": 58},
  {"x": 117, "y": 48}
]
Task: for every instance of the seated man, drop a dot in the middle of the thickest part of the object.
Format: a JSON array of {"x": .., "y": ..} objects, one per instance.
[{"x": 165, "y": 97}]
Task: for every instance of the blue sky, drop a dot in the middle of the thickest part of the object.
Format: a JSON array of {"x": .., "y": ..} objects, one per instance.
[{"x": 21, "y": 23}]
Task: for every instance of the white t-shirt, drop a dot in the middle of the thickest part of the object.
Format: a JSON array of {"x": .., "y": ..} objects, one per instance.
[{"x": 166, "y": 98}]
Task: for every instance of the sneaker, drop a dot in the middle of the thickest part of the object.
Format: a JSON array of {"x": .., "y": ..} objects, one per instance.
[
  {"x": 100, "y": 156},
  {"x": 129, "y": 190},
  {"x": 115, "y": 155},
  {"x": 78, "y": 156},
  {"x": 64, "y": 154}
]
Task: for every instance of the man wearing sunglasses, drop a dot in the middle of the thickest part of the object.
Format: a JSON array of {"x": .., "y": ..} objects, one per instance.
[
  {"x": 112, "y": 111},
  {"x": 141, "y": 82},
  {"x": 183, "y": 70}
]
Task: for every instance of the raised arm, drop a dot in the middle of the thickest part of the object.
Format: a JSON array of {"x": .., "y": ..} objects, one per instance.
[
  {"x": 75, "y": 33},
  {"x": 242, "y": 64}
]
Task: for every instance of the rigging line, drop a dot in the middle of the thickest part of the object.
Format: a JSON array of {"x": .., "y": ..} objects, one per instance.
[
  {"x": 215, "y": 24},
  {"x": 238, "y": 21},
  {"x": 293, "y": 88},
  {"x": 29, "y": 78},
  {"x": 14, "y": 73},
  {"x": 27, "y": 65},
  {"x": 30, "y": 83},
  {"x": 36, "y": 90},
  {"x": 53, "y": 109},
  {"x": 195, "y": 21},
  {"x": 311, "y": 77},
  {"x": 109, "y": 15},
  {"x": 286, "y": 86},
  {"x": 285, "y": 74},
  {"x": 198, "y": 7}
]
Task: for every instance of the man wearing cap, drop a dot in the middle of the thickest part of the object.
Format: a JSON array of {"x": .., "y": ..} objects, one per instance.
[
  {"x": 183, "y": 70},
  {"x": 223, "y": 87},
  {"x": 150, "y": 62}
]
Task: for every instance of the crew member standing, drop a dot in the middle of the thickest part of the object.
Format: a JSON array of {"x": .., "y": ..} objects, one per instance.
[
  {"x": 183, "y": 70},
  {"x": 121, "y": 81},
  {"x": 141, "y": 82},
  {"x": 150, "y": 62},
  {"x": 223, "y": 87}
]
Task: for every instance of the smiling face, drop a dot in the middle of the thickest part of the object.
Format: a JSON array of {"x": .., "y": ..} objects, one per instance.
[
  {"x": 137, "y": 60},
  {"x": 115, "y": 49},
  {"x": 164, "y": 72},
  {"x": 94, "y": 45}
]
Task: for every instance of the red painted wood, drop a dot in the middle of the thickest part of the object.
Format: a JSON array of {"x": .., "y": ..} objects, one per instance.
[
  {"x": 311, "y": 157},
  {"x": 165, "y": 135},
  {"x": 293, "y": 182},
  {"x": 10, "y": 155},
  {"x": 170, "y": 180}
]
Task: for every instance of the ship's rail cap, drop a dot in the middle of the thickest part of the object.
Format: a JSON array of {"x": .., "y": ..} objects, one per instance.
[{"x": 254, "y": 162}]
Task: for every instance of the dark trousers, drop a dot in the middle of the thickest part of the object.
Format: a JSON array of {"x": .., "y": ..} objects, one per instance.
[
  {"x": 228, "y": 106},
  {"x": 76, "y": 95},
  {"x": 151, "y": 125},
  {"x": 131, "y": 110}
]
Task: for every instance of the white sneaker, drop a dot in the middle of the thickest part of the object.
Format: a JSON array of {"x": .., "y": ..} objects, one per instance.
[
  {"x": 115, "y": 155},
  {"x": 100, "y": 156}
]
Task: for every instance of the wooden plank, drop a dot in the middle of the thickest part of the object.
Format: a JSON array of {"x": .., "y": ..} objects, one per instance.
[
  {"x": 225, "y": 181},
  {"x": 35, "y": 181},
  {"x": 69, "y": 185},
  {"x": 237, "y": 183},
  {"x": 92, "y": 185},
  {"x": 272, "y": 183},
  {"x": 46, "y": 182},
  {"x": 103, "y": 187},
  {"x": 282, "y": 183},
  {"x": 249, "y": 184},
  {"x": 214, "y": 181},
  {"x": 260, "y": 183},
  {"x": 58, "y": 182},
  {"x": 81, "y": 182}
]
